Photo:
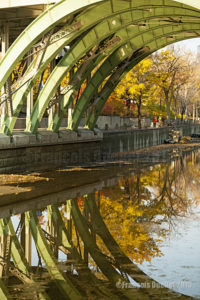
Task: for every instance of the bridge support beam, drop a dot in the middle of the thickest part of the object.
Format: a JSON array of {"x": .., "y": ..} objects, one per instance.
[
  {"x": 4, "y": 48},
  {"x": 2, "y": 242},
  {"x": 29, "y": 101},
  {"x": 92, "y": 29},
  {"x": 66, "y": 287}
]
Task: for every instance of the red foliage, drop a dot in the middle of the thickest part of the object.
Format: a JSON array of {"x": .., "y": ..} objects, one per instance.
[{"x": 80, "y": 201}]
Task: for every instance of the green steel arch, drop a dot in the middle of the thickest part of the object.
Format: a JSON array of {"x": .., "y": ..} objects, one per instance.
[
  {"x": 115, "y": 77},
  {"x": 68, "y": 97},
  {"x": 103, "y": 29},
  {"x": 111, "y": 63},
  {"x": 115, "y": 29}
]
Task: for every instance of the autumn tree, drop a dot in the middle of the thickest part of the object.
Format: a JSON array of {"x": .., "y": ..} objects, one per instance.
[
  {"x": 184, "y": 91},
  {"x": 171, "y": 73},
  {"x": 142, "y": 202},
  {"x": 184, "y": 97},
  {"x": 194, "y": 90},
  {"x": 135, "y": 86},
  {"x": 165, "y": 70}
]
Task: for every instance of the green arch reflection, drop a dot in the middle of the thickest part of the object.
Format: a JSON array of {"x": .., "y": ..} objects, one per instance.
[{"x": 100, "y": 236}]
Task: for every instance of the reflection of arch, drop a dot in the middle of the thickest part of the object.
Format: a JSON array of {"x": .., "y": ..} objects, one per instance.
[
  {"x": 64, "y": 237},
  {"x": 69, "y": 287},
  {"x": 22, "y": 268},
  {"x": 3, "y": 291},
  {"x": 175, "y": 20},
  {"x": 121, "y": 261}
]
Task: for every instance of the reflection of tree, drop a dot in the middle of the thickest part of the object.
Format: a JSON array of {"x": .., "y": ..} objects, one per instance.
[
  {"x": 118, "y": 259},
  {"x": 192, "y": 180},
  {"x": 122, "y": 262},
  {"x": 100, "y": 233},
  {"x": 141, "y": 203},
  {"x": 131, "y": 217},
  {"x": 116, "y": 267}
]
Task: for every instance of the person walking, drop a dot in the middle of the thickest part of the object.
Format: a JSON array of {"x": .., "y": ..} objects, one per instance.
[{"x": 154, "y": 121}]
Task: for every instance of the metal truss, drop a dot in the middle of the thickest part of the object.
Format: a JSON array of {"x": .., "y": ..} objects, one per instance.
[{"x": 93, "y": 30}]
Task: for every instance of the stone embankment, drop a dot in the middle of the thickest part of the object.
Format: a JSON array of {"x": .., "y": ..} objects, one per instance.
[{"x": 24, "y": 152}]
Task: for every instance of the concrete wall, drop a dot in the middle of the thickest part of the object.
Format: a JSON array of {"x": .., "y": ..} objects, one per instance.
[
  {"x": 27, "y": 153},
  {"x": 44, "y": 137},
  {"x": 48, "y": 157},
  {"x": 121, "y": 142},
  {"x": 115, "y": 122}
]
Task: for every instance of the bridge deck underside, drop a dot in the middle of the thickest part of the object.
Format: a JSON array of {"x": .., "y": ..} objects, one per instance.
[{"x": 86, "y": 48}]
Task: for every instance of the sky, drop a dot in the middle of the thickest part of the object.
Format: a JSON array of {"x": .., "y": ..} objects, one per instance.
[{"x": 190, "y": 44}]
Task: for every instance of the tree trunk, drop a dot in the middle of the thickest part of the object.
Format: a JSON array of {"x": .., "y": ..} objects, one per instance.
[
  {"x": 167, "y": 102},
  {"x": 182, "y": 113},
  {"x": 139, "y": 102},
  {"x": 193, "y": 112},
  {"x": 186, "y": 114},
  {"x": 197, "y": 112},
  {"x": 175, "y": 108},
  {"x": 168, "y": 110}
]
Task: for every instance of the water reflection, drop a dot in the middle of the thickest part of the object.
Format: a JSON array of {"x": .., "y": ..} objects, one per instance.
[{"x": 91, "y": 246}]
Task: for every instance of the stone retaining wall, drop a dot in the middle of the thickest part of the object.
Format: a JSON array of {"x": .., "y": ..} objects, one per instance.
[
  {"x": 48, "y": 157},
  {"x": 45, "y": 137},
  {"x": 24, "y": 152},
  {"x": 125, "y": 141}
]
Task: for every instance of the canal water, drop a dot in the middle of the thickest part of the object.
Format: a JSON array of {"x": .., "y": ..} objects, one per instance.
[{"x": 123, "y": 231}]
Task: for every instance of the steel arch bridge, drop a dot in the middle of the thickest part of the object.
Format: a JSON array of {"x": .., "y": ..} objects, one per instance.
[{"x": 101, "y": 40}]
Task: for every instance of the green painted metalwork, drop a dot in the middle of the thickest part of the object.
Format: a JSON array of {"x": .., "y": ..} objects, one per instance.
[
  {"x": 122, "y": 262},
  {"x": 17, "y": 254},
  {"x": 88, "y": 13},
  {"x": 79, "y": 264},
  {"x": 69, "y": 61},
  {"x": 101, "y": 31},
  {"x": 65, "y": 286},
  {"x": 100, "y": 259},
  {"x": 75, "y": 84},
  {"x": 45, "y": 22},
  {"x": 53, "y": 49},
  {"x": 112, "y": 82},
  {"x": 103, "y": 263},
  {"x": 16, "y": 249},
  {"x": 48, "y": 95},
  {"x": 112, "y": 62},
  {"x": 4, "y": 295},
  {"x": 20, "y": 96},
  {"x": 65, "y": 65},
  {"x": 115, "y": 78},
  {"x": 79, "y": 77}
]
